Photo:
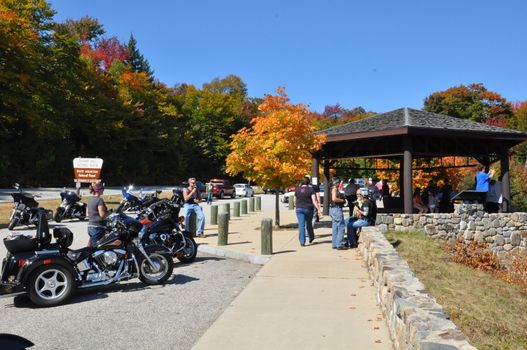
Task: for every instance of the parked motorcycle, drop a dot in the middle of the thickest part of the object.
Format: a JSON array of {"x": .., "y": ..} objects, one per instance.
[
  {"x": 166, "y": 227},
  {"x": 25, "y": 210},
  {"x": 130, "y": 202},
  {"x": 70, "y": 208},
  {"x": 50, "y": 272}
]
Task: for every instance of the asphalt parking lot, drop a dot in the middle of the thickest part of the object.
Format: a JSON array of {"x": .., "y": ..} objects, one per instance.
[{"x": 132, "y": 315}]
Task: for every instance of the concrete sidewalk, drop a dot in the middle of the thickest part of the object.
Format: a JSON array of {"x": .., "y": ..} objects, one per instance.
[{"x": 310, "y": 297}]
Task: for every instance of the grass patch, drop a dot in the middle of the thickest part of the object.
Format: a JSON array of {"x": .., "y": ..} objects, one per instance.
[{"x": 490, "y": 311}]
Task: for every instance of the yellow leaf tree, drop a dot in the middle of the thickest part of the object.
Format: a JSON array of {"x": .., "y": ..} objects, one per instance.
[{"x": 276, "y": 150}]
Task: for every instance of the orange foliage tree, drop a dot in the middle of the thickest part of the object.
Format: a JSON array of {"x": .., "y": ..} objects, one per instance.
[
  {"x": 434, "y": 170},
  {"x": 275, "y": 151}
]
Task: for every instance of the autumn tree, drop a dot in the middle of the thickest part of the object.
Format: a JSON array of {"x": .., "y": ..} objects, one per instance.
[
  {"x": 276, "y": 150},
  {"x": 473, "y": 102},
  {"x": 137, "y": 62}
]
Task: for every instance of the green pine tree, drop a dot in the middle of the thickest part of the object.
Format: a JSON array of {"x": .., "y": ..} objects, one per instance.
[{"x": 136, "y": 60}]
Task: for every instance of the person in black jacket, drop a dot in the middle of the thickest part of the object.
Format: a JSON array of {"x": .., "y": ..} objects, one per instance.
[{"x": 364, "y": 214}]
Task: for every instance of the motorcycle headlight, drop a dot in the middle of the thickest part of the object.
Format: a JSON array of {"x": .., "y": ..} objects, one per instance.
[
  {"x": 64, "y": 202},
  {"x": 21, "y": 206}
]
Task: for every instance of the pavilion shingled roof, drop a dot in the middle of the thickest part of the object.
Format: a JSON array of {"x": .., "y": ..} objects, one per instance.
[{"x": 413, "y": 118}]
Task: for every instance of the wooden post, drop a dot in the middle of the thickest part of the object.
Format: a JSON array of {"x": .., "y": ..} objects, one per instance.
[
  {"x": 226, "y": 208},
  {"x": 407, "y": 174},
  {"x": 325, "y": 200},
  {"x": 267, "y": 236},
  {"x": 290, "y": 202},
  {"x": 258, "y": 203},
  {"x": 213, "y": 214},
  {"x": 244, "y": 206},
  {"x": 236, "y": 210},
  {"x": 505, "y": 181},
  {"x": 223, "y": 228},
  {"x": 192, "y": 224},
  {"x": 251, "y": 204}
]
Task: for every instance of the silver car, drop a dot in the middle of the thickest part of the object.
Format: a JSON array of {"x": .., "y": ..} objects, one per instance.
[{"x": 243, "y": 190}]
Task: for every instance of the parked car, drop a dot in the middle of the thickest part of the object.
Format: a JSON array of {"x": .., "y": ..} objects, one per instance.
[
  {"x": 222, "y": 188},
  {"x": 244, "y": 190},
  {"x": 267, "y": 190}
]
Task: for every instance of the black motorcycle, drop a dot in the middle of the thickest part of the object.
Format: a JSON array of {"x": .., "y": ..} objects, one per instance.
[
  {"x": 49, "y": 272},
  {"x": 25, "y": 210},
  {"x": 70, "y": 208},
  {"x": 130, "y": 202},
  {"x": 166, "y": 227}
]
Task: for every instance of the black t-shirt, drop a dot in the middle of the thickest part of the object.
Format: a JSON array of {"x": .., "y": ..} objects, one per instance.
[{"x": 303, "y": 197}]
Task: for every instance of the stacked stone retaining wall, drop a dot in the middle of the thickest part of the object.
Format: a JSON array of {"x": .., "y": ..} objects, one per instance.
[
  {"x": 415, "y": 319},
  {"x": 504, "y": 232}
]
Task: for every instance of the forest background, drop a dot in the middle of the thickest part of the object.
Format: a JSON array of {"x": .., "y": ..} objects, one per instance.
[{"x": 69, "y": 89}]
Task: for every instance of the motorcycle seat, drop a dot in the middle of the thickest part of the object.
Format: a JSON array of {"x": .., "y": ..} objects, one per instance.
[{"x": 79, "y": 254}]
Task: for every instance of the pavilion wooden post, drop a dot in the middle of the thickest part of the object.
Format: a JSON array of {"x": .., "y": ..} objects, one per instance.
[
  {"x": 505, "y": 181},
  {"x": 407, "y": 176},
  {"x": 314, "y": 170},
  {"x": 325, "y": 210}
]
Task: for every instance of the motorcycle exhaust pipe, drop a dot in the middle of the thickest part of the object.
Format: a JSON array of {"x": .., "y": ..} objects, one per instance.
[{"x": 115, "y": 278}]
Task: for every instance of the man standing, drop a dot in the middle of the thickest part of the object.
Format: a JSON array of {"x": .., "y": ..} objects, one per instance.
[
  {"x": 483, "y": 177},
  {"x": 192, "y": 198}
]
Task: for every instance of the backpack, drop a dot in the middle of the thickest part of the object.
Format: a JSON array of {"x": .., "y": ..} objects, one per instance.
[{"x": 372, "y": 216}]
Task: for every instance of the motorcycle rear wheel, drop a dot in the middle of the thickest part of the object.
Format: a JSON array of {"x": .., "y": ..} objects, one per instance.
[
  {"x": 160, "y": 272},
  {"x": 190, "y": 251},
  {"x": 50, "y": 285}
]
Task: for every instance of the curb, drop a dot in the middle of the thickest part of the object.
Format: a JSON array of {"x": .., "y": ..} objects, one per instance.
[{"x": 251, "y": 258}]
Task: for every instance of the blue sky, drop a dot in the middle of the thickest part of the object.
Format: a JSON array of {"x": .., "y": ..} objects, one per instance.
[{"x": 380, "y": 55}]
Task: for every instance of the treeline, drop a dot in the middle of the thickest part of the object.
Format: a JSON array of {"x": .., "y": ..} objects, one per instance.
[{"x": 66, "y": 91}]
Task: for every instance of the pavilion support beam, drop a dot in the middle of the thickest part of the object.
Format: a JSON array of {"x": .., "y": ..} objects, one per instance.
[
  {"x": 314, "y": 171},
  {"x": 505, "y": 180},
  {"x": 325, "y": 210},
  {"x": 407, "y": 176}
]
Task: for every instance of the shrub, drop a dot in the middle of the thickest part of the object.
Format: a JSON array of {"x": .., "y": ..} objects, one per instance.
[{"x": 474, "y": 254}]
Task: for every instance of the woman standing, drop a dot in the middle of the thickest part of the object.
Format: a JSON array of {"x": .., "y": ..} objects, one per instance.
[
  {"x": 305, "y": 202},
  {"x": 97, "y": 211},
  {"x": 337, "y": 215}
]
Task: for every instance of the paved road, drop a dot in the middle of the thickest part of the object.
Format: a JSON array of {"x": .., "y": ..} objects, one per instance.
[{"x": 132, "y": 315}]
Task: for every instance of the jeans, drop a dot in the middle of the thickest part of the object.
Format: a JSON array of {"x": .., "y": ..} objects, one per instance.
[
  {"x": 304, "y": 216},
  {"x": 352, "y": 225},
  {"x": 95, "y": 233},
  {"x": 209, "y": 198},
  {"x": 337, "y": 226},
  {"x": 199, "y": 215}
]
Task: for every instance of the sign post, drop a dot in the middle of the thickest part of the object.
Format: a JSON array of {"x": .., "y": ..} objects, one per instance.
[{"x": 86, "y": 170}]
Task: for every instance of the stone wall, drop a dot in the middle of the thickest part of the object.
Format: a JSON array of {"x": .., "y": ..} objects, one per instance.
[
  {"x": 504, "y": 232},
  {"x": 415, "y": 319}
]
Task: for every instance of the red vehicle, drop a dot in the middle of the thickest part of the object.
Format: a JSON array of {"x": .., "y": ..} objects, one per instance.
[{"x": 222, "y": 188}]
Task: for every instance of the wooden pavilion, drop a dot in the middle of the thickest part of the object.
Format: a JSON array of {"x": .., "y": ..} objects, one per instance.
[{"x": 406, "y": 134}]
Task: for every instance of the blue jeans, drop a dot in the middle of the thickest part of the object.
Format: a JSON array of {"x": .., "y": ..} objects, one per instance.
[
  {"x": 209, "y": 198},
  {"x": 95, "y": 233},
  {"x": 304, "y": 216},
  {"x": 337, "y": 226},
  {"x": 352, "y": 225},
  {"x": 199, "y": 215}
]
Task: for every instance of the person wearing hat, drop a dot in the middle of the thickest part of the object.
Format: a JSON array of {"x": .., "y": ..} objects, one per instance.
[
  {"x": 97, "y": 211},
  {"x": 337, "y": 215}
]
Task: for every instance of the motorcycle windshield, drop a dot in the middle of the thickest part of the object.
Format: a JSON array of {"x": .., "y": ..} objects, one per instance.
[
  {"x": 21, "y": 198},
  {"x": 70, "y": 197}
]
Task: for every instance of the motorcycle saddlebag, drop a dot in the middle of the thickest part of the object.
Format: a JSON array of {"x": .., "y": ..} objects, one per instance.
[{"x": 20, "y": 243}]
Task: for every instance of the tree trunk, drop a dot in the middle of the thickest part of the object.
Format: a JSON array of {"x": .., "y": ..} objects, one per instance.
[{"x": 277, "y": 209}]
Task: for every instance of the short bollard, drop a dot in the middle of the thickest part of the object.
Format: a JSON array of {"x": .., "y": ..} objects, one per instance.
[
  {"x": 258, "y": 203},
  {"x": 267, "y": 236},
  {"x": 192, "y": 224},
  {"x": 226, "y": 208},
  {"x": 251, "y": 204},
  {"x": 291, "y": 203},
  {"x": 214, "y": 215},
  {"x": 223, "y": 228},
  {"x": 244, "y": 206},
  {"x": 236, "y": 210}
]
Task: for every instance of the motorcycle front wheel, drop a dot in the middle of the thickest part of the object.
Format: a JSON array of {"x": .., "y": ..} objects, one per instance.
[
  {"x": 58, "y": 215},
  {"x": 50, "y": 285},
  {"x": 13, "y": 222},
  {"x": 162, "y": 267},
  {"x": 190, "y": 251}
]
